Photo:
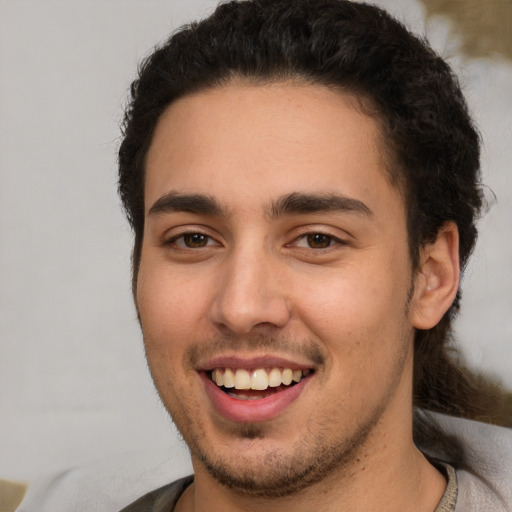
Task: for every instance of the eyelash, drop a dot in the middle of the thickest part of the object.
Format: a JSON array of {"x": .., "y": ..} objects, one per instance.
[
  {"x": 321, "y": 238},
  {"x": 173, "y": 240}
]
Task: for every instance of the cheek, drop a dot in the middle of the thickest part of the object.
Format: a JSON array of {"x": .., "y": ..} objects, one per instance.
[
  {"x": 351, "y": 302},
  {"x": 364, "y": 328},
  {"x": 168, "y": 323},
  {"x": 171, "y": 306},
  {"x": 358, "y": 311}
]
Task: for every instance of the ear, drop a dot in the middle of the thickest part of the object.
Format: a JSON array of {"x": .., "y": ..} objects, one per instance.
[{"x": 437, "y": 280}]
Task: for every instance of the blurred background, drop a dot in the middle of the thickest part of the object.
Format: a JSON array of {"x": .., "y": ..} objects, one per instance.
[{"x": 74, "y": 386}]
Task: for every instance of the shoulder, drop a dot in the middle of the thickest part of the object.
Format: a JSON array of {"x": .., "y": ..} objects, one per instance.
[
  {"x": 484, "y": 477},
  {"x": 108, "y": 484},
  {"x": 162, "y": 499}
]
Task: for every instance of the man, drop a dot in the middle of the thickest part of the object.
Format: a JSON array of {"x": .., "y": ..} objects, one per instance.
[{"x": 302, "y": 178}]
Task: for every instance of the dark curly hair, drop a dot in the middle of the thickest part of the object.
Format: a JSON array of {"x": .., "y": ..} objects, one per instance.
[{"x": 433, "y": 148}]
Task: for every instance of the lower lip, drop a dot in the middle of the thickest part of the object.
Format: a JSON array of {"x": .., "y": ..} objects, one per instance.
[{"x": 251, "y": 411}]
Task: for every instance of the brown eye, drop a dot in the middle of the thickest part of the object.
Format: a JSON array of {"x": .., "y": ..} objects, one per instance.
[
  {"x": 195, "y": 240},
  {"x": 319, "y": 240}
]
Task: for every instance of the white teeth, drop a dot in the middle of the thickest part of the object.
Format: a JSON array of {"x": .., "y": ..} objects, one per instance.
[
  {"x": 217, "y": 377},
  {"x": 274, "y": 378},
  {"x": 259, "y": 379},
  {"x": 287, "y": 376},
  {"x": 229, "y": 378},
  {"x": 242, "y": 379},
  {"x": 242, "y": 396}
]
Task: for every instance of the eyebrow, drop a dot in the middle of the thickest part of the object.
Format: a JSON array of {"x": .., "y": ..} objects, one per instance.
[
  {"x": 295, "y": 203},
  {"x": 300, "y": 203},
  {"x": 198, "y": 204}
]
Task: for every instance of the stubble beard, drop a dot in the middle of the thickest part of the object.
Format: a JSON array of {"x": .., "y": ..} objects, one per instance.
[
  {"x": 317, "y": 456},
  {"x": 278, "y": 473}
]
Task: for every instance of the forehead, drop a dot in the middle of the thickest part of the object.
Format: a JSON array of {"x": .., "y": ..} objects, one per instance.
[{"x": 248, "y": 141}]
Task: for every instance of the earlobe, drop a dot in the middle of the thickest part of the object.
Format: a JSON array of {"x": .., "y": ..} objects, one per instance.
[{"x": 437, "y": 280}]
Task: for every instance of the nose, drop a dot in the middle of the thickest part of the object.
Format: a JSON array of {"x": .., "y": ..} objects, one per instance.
[{"x": 250, "y": 294}]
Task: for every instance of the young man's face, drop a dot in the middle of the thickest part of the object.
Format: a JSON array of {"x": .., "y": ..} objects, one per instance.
[{"x": 276, "y": 248}]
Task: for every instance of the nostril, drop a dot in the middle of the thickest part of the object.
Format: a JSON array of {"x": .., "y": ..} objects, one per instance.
[{"x": 265, "y": 325}]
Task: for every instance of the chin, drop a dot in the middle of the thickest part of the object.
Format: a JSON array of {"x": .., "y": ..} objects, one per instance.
[{"x": 259, "y": 467}]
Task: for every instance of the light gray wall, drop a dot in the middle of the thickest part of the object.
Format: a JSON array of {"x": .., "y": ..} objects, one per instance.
[{"x": 73, "y": 382}]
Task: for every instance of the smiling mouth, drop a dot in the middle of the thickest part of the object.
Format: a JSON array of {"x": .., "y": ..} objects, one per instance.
[{"x": 256, "y": 383}]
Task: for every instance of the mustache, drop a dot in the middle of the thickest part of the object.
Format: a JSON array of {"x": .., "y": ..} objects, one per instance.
[{"x": 261, "y": 342}]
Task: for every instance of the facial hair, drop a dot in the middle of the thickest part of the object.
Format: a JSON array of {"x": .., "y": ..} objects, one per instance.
[{"x": 279, "y": 473}]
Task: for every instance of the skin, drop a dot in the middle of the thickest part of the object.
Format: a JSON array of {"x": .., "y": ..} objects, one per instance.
[{"x": 256, "y": 286}]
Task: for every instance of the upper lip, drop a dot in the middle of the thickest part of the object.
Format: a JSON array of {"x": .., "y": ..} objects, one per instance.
[{"x": 264, "y": 361}]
